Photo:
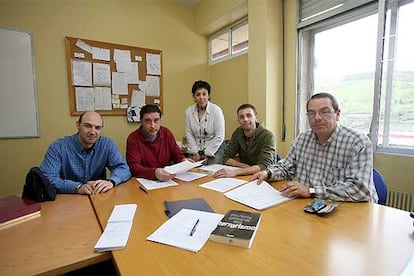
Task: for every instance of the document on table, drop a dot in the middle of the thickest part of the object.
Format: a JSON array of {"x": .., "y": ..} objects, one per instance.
[
  {"x": 409, "y": 267},
  {"x": 256, "y": 196},
  {"x": 223, "y": 184},
  {"x": 183, "y": 166},
  {"x": 116, "y": 233},
  {"x": 155, "y": 184},
  {"x": 215, "y": 167},
  {"x": 188, "y": 229},
  {"x": 190, "y": 176}
]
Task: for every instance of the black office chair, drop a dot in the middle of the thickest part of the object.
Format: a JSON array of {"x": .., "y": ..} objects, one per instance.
[{"x": 380, "y": 186}]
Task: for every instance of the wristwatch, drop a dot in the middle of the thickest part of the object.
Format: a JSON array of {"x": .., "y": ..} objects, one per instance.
[
  {"x": 78, "y": 187},
  {"x": 112, "y": 181},
  {"x": 312, "y": 192},
  {"x": 269, "y": 174}
]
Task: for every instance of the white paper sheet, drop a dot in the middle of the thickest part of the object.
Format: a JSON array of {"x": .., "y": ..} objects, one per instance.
[
  {"x": 101, "y": 53},
  {"x": 102, "y": 97},
  {"x": 215, "y": 167},
  {"x": 101, "y": 74},
  {"x": 81, "y": 73},
  {"x": 152, "y": 86},
  {"x": 223, "y": 184},
  {"x": 84, "y": 98},
  {"x": 176, "y": 231},
  {"x": 119, "y": 84},
  {"x": 256, "y": 196},
  {"x": 116, "y": 233},
  {"x": 190, "y": 176},
  {"x": 183, "y": 166},
  {"x": 153, "y": 64},
  {"x": 155, "y": 184}
]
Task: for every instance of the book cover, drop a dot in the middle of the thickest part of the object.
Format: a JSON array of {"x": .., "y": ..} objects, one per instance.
[
  {"x": 237, "y": 228},
  {"x": 173, "y": 207},
  {"x": 14, "y": 209}
]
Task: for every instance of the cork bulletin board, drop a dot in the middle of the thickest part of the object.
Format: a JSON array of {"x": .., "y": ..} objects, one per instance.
[{"x": 112, "y": 79}]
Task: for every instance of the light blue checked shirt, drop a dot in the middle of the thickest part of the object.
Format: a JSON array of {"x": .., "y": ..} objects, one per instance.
[
  {"x": 340, "y": 169},
  {"x": 67, "y": 164}
]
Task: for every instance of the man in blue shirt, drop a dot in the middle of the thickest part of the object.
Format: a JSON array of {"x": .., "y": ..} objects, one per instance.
[{"x": 77, "y": 163}]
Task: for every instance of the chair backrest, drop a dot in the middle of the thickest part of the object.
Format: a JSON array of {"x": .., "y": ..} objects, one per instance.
[{"x": 380, "y": 186}]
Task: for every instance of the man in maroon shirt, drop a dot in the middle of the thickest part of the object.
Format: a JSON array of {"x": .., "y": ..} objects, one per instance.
[{"x": 152, "y": 147}]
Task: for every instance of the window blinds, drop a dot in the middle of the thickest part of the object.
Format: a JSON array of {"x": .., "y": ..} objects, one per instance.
[{"x": 311, "y": 11}]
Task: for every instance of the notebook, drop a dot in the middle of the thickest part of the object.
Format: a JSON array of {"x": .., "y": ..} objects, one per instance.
[{"x": 173, "y": 207}]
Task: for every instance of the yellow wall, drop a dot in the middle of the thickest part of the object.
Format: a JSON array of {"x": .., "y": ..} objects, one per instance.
[
  {"x": 229, "y": 88},
  {"x": 180, "y": 32},
  {"x": 158, "y": 24}
]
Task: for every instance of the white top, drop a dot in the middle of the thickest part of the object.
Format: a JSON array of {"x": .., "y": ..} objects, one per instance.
[{"x": 207, "y": 133}]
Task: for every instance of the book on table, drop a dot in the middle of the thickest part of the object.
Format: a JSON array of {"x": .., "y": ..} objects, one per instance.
[
  {"x": 237, "y": 228},
  {"x": 15, "y": 210}
]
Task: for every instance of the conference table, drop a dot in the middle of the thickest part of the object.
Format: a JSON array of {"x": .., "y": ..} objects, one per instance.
[
  {"x": 59, "y": 241},
  {"x": 355, "y": 239}
]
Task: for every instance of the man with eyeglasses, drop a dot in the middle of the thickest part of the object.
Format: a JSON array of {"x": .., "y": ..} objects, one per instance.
[
  {"x": 328, "y": 161},
  {"x": 78, "y": 163},
  {"x": 151, "y": 147}
]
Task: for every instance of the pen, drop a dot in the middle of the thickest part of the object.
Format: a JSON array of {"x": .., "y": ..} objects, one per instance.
[
  {"x": 194, "y": 227},
  {"x": 142, "y": 189}
]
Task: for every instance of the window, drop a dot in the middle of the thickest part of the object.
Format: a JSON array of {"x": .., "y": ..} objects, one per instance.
[
  {"x": 373, "y": 79},
  {"x": 229, "y": 42}
]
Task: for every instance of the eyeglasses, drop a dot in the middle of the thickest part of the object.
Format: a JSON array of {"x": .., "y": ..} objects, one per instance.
[{"x": 323, "y": 112}]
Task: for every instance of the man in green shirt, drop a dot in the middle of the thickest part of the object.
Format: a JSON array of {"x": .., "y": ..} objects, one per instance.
[{"x": 251, "y": 148}]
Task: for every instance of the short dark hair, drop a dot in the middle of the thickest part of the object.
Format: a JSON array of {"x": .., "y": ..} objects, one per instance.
[
  {"x": 246, "y": 106},
  {"x": 200, "y": 84},
  {"x": 149, "y": 108},
  {"x": 321, "y": 95}
]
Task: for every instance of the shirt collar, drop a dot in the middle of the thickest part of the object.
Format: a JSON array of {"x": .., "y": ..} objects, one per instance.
[
  {"x": 331, "y": 138},
  {"x": 146, "y": 136}
]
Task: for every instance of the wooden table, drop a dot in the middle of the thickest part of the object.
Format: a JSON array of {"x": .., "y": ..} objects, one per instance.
[
  {"x": 356, "y": 239},
  {"x": 59, "y": 241}
]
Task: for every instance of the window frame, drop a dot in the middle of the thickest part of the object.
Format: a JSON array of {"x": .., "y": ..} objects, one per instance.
[
  {"x": 229, "y": 31},
  {"x": 305, "y": 65}
]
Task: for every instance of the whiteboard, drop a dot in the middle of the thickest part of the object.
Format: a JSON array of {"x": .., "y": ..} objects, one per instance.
[{"x": 18, "y": 102}]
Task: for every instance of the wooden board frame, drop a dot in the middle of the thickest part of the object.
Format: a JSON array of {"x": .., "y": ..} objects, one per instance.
[{"x": 72, "y": 49}]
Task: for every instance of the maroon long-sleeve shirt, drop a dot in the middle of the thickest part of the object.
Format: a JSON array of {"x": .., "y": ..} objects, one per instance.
[{"x": 144, "y": 157}]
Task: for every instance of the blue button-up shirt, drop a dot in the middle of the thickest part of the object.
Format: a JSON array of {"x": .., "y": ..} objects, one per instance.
[{"x": 67, "y": 164}]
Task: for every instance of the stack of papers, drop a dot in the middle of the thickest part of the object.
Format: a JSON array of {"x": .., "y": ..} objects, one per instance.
[
  {"x": 188, "y": 229},
  {"x": 116, "y": 233},
  {"x": 256, "y": 196}
]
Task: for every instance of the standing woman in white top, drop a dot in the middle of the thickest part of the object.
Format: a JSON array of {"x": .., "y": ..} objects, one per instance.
[{"x": 204, "y": 127}]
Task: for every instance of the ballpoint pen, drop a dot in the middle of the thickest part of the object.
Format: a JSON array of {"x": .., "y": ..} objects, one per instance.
[
  {"x": 194, "y": 227},
  {"x": 142, "y": 189}
]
